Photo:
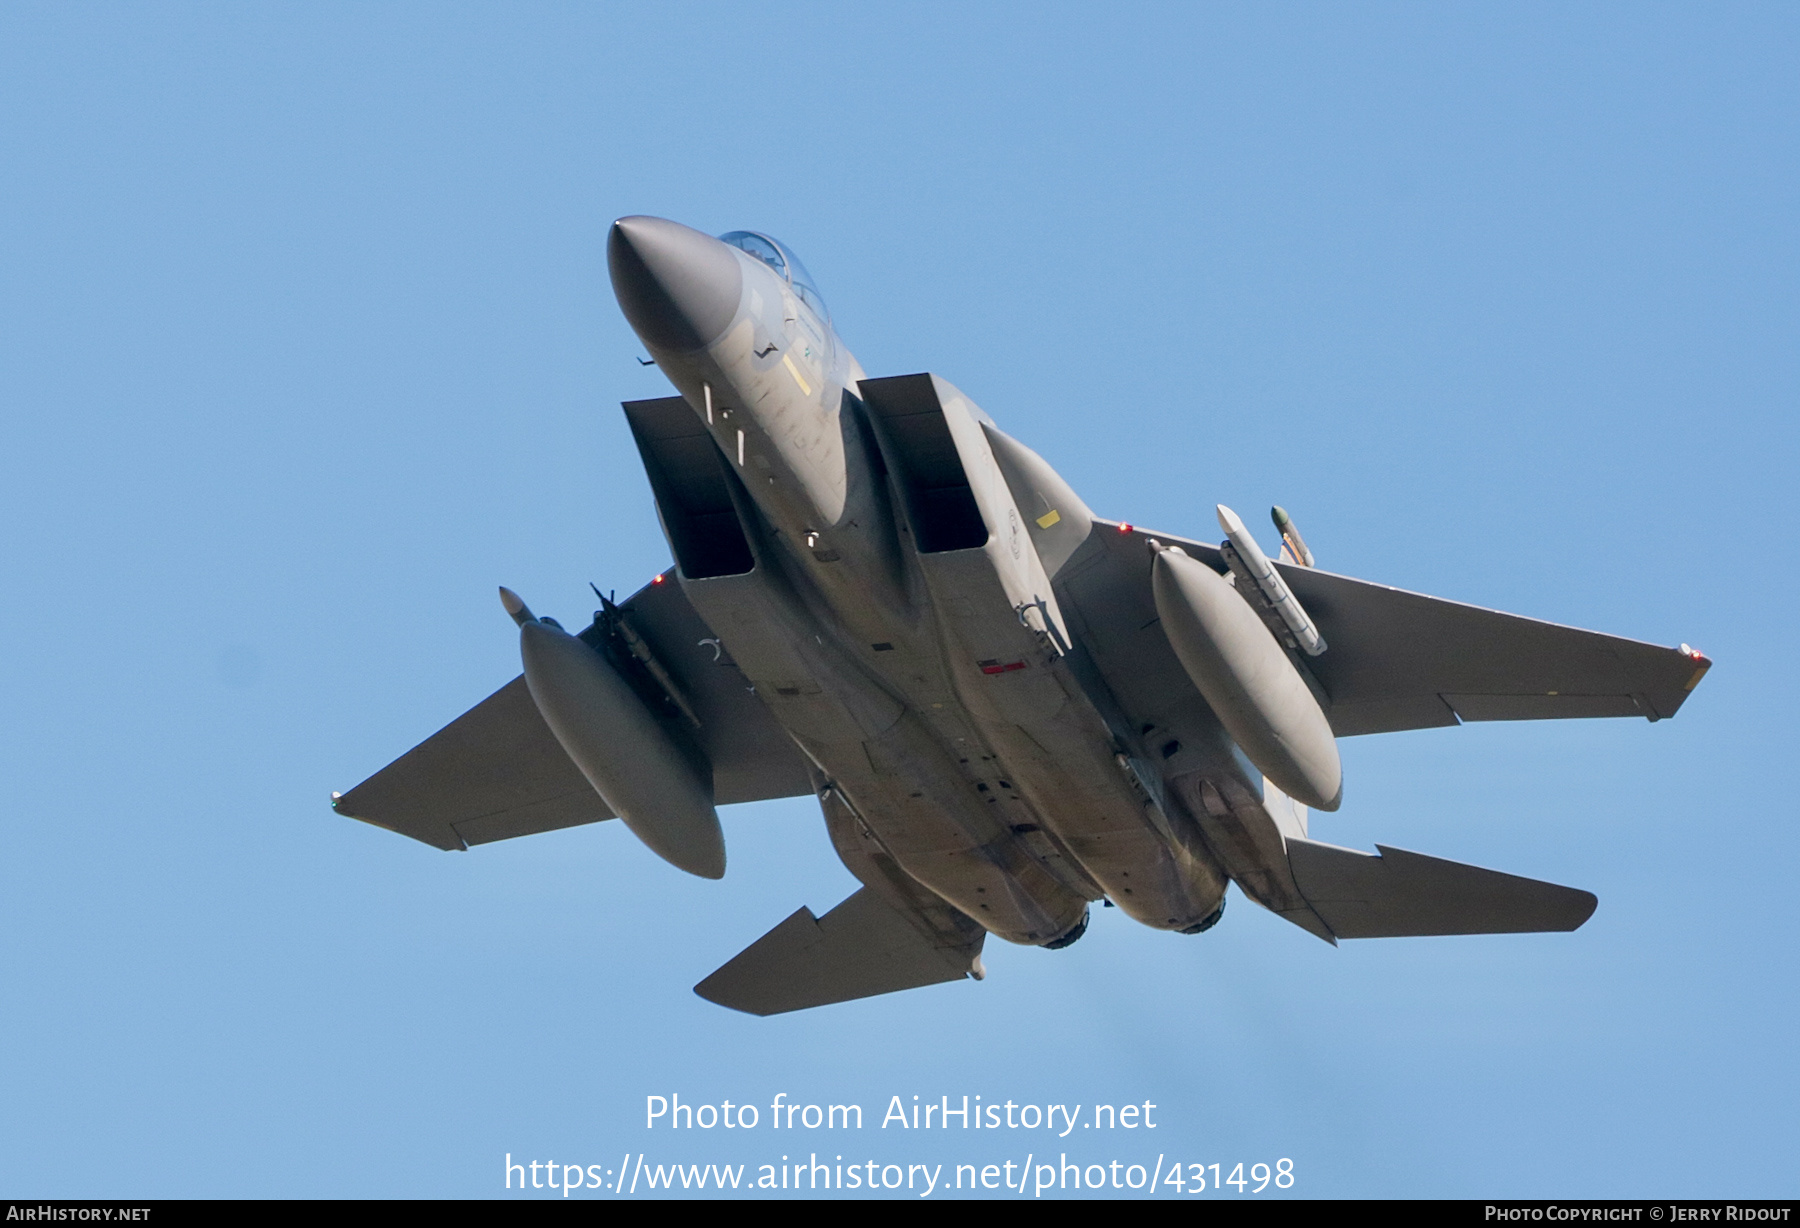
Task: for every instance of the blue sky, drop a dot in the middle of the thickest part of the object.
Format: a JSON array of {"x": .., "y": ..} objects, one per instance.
[{"x": 308, "y": 344}]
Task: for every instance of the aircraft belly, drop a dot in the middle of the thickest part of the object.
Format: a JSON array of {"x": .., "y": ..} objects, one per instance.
[
  {"x": 1057, "y": 752},
  {"x": 871, "y": 862},
  {"x": 807, "y": 685},
  {"x": 963, "y": 743},
  {"x": 895, "y": 769},
  {"x": 1062, "y": 770},
  {"x": 946, "y": 833}
]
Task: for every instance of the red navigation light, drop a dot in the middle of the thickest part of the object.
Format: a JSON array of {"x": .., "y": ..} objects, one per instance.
[
  {"x": 1124, "y": 528},
  {"x": 659, "y": 579}
]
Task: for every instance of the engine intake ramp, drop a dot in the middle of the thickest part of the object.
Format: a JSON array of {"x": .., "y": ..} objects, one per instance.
[
  {"x": 859, "y": 949},
  {"x": 1398, "y": 894}
]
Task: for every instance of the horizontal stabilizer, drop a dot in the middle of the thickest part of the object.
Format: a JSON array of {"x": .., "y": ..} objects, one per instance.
[
  {"x": 857, "y": 950},
  {"x": 1404, "y": 895}
]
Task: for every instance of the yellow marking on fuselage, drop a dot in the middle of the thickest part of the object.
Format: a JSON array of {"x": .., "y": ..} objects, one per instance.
[
  {"x": 1049, "y": 518},
  {"x": 794, "y": 371}
]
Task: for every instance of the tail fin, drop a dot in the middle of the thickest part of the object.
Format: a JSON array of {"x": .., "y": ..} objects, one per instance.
[{"x": 1398, "y": 894}]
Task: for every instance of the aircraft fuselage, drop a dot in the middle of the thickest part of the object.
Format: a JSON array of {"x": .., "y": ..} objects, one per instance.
[
  {"x": 927, "y": 674},
  {"x": 1007, "y": 707}
]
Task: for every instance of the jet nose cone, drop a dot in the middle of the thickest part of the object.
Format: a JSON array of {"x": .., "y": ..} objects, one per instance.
[{"x": 678, "y": 288}]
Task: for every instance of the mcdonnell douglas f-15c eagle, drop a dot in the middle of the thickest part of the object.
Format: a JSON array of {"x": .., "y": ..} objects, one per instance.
[{"x": 1007, "y": 706}]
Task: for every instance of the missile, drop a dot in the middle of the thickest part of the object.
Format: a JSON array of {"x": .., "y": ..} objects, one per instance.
[
  {"x": 1290, "y": 535},
  {"x": 1247, "y": 678},
  {"x": 1263, "y": 574},
  {"x": 510, "y": 602},
  {"x": 642, "y": 652},
  {"x": 634, "y": 765}
]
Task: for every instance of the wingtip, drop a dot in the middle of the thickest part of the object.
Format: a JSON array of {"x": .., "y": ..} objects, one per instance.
[
  {"x": 719, "y": 994},
  {"x": 1702, "y": 663}
]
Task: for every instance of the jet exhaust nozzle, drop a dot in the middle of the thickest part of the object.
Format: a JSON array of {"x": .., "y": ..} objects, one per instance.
[
  {"x": 1247, "y": 679},
  {"x": 625, "y": 753}
]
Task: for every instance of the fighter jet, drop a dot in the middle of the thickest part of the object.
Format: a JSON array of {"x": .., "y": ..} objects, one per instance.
[{"x": 1008, "y": 707}]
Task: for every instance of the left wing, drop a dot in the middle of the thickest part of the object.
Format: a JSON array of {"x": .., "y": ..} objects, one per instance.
[
  {"x": 1397, "y": 660},
  {"x": 497, "y": 772}
]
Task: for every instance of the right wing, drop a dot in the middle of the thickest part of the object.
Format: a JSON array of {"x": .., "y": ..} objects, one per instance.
[{"x": 497, "y": 772}]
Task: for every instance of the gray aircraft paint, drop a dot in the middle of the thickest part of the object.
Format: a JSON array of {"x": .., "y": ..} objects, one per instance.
[
  {"x": 633, "y": 764},
  {"x": 1007, "y": 706},
  {"x": 1247, "y": 679}
]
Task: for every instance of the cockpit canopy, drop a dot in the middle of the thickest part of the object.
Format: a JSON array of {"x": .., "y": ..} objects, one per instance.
[{"x": 777, "y": 256}]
